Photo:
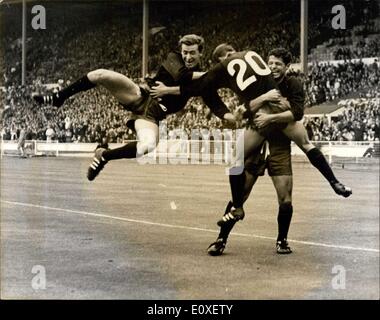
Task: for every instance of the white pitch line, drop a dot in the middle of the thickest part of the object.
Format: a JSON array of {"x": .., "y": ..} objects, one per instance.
[{"x": 100, "y": 215}]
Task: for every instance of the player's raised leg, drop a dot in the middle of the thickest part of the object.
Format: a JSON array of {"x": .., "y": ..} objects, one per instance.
[
  {"x": 147, "y": 140},
  {"x": 120, "y": 86},
  {"x": 297, "y": 132}
]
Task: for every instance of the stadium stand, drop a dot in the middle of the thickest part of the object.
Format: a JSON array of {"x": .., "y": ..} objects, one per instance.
[{"x": 107, "y": 39}]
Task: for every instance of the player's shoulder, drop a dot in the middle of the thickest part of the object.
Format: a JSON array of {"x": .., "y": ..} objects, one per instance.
[
  {"x": 239, "y": 54},
  {"x": 293, "y": 81},
  {"x": 174, "y": 56},
  {"x": 173, "y": 61},
  {"x": 234, "y": 56}
]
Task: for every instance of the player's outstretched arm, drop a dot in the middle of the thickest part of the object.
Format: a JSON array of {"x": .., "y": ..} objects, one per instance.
[
  {"x": 262, "y": 119},
  {"x": 211, "y": 99},
  {"x": 218, "y": 107},
  {"x": 271, "y": 96},
  {"x": 161, "y": 90}
]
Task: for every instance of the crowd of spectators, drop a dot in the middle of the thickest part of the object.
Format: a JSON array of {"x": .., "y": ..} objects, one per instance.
[
  {"x": 107, "y": 39},
  {"x": 86, "y": 118},
  {"x": 359, "y": 50},
  {"x": 91, "y": 116},
  {"x": 328, "y": 82},
  {"x": 110, "y": 35},
  {"x": 359, "y": 121}
]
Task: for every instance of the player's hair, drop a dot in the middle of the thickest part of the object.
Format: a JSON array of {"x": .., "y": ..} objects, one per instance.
[
  {"x": 221, "y": 50},
  {"x": 281, "y": 53},
  {"x": 191, "y": 39}
]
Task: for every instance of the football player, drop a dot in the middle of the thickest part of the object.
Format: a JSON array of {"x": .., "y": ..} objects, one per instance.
[
  {"x": 277, "y": 162},
  {"x": 179, "y": 68},
  {"x": 246, "y": 74}
]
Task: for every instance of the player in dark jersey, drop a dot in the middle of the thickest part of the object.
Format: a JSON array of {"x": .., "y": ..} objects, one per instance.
[
  {"x": 179, "y": 68},
  {"x": 249, "y": 77},
  {"x": 277, "y": 161}
]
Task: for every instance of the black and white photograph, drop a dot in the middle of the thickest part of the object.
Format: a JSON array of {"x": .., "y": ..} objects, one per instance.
[{"x": 189, "y": 150}]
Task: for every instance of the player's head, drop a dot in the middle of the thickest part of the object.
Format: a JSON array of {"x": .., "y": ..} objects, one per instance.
[
  {"x": 191, "y": 46},
  {"x": 222, "y": 52},
  {"x": 278, "y": 61}
]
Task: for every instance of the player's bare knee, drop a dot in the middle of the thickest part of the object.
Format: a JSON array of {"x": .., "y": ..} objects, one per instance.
[
  {"x": 146, "y": 145},
  {"x": 144, "y": 148},
  {"x": 98, "y": 75}
]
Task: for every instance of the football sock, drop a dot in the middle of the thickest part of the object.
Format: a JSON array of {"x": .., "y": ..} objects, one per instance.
[
  {"x": 83, "y": 84},
  {"x": 127, "y": 151},
  {"x": 284, "y": 217},
  {"x": 226, "y": 228},
  {"x": 237, "y": 187},
  {"x": 228, "y": 207},
  {"x": 318, "y": 160}
]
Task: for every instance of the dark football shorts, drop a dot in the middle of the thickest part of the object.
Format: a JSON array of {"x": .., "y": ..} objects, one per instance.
[
  {"x": 147, "y": 108},
  {"x": 277, "y": 160}
]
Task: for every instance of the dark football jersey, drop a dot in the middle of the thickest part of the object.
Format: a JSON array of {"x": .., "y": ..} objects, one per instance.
[
  {"x": 245, "y": 73},
  {"x": 292, "y": 89},
  {"x": 173, "y": 72}
]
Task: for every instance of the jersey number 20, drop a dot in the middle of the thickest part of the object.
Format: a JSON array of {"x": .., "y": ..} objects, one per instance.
[{"x": 251, "y": 60}]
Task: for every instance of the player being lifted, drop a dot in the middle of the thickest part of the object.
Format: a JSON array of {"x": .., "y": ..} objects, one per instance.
[
  {"x": 278, "y": 160},
  {"x": 179, "y": 68},
  {"x": 246, "y": 74}
]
